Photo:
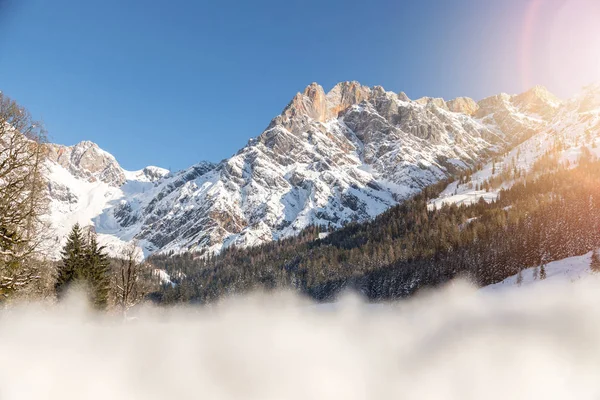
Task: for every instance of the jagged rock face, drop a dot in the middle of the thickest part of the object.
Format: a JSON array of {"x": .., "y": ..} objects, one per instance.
[
  {"x": 538, "y": 101},
  {"x": 314, "y": 105},
  {"x": 463, "y": 105},
  {"x": 438, "y": 102},
  {"x": 86, "y": 160},
  {"x": 329, "y": 158},
  {"x": 518, "y": 116}
]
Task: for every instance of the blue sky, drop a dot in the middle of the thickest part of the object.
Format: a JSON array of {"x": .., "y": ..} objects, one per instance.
[{"x": 171, "y": 83}]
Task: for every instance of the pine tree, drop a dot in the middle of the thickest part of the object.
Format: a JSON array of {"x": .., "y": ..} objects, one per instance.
[
  {"x": 595, "y": 264},
  {"x": 520, "y": 277},
  {"x": 97, "y": 269},
  {"x": 73, "y": 261},
  {"x": 543, "y": 272},
  {"x": 85, "y": 262}
]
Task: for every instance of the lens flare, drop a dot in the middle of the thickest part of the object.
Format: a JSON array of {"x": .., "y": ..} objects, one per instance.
[{"x": 560, "y": 44}]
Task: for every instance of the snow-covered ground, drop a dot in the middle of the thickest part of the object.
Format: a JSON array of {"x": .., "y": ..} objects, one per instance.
[
  {"x": 465, "y": 198},
  {"x": 570, "y": 269}
]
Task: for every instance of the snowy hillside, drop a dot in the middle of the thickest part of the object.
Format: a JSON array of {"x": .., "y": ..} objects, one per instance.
[
  {"x": 574, "y": 127},
  {"x": 83, "y": 183},
  {"x": 328, "y": 158},
  {"x": 570, "y": 269}
]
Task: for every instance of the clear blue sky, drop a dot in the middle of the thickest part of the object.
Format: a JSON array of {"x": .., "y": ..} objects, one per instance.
[{"x": 171, "y": 83}]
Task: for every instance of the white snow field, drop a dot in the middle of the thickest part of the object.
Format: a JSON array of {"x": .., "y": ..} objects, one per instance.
[{"x": 568, "y": 270}]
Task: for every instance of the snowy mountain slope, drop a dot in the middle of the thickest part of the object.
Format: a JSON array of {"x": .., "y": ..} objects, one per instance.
[
  {"x": 328, "y": 158},
  {"x": 570, "y": 269},
  {"x": 574, "y": 126},
  {"x": 83, "y": 181}
]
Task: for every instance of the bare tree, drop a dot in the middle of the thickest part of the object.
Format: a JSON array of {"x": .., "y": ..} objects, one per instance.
[
  {"x": 130, "y": 278},
  {"x": 22, "y": 195}
]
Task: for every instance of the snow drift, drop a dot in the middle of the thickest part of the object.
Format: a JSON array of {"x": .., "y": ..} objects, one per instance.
[{"x": 453, "y": 344}]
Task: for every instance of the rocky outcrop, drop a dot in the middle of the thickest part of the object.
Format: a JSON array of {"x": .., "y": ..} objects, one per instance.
[
  {"x": 463, "y": 105},
  {"x": 514, "y": 116},
  {"x": 438, "y": 102},
  {"x": 538, "y": 100},
  {"x": 314, "y": 105},
  {"x": 87, "y": 161}
]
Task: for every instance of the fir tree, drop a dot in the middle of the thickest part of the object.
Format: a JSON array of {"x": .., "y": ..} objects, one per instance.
[
  {"x": 97, "y": 269},
  {"x": 543, "y": 272},
  {"x": 72, "y": 262},
  {"x": 84, "y": 262}
]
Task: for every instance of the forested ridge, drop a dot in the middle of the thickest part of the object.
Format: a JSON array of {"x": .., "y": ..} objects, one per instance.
[{"x": 541, "y": 218}]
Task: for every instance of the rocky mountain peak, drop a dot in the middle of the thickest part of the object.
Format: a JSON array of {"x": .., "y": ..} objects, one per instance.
[
  {"x": 403, "y": 97},
  {"x": 540, "y": 91},
  {"x": 148, "y": 174},
  {"x": 313, "y": 104},
  {"x": 492, "y": 104},
  {"x": 463, "y": 105},
  {"x": 345, "y": 94},
  {"x": 155, "y": 173},
  {"x": 538, "y": 100},
  {"x": 436, "y": 101},
  {"x": 87, "y": 160},
  {"x": 309, "y": 105}
]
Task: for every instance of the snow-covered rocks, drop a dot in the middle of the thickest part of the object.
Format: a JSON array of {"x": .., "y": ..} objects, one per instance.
[
  {"x": 571, "y": 127},
  {"x": 87, "y": 161}
]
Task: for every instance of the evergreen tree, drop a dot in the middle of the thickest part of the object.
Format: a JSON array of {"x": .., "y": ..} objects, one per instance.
[
  {"x": 84, "y": 262},
  {"x": 595, "y": 264},
  {"x": 73, "y": 261},
  {"x": 543, "y": 272},
  {"x": 96, "y": 271}
]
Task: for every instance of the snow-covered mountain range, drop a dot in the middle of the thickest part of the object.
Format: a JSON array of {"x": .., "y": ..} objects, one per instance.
[
  {"x": 328, "y": 158},
  {"x": 574, "y": 127}
]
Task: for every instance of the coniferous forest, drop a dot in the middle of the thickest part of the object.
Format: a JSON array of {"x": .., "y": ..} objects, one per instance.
[{"x": 541, "y": 218}]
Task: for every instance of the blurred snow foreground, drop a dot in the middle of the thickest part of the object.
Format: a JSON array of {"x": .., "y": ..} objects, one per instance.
[{"x": 542, "y": 342}]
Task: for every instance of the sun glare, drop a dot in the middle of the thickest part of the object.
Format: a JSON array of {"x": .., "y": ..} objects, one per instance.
[{"x": 561, "y": 42}]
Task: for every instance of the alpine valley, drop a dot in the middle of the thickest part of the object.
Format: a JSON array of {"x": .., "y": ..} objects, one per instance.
[{"x": 327, "y": 160}]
